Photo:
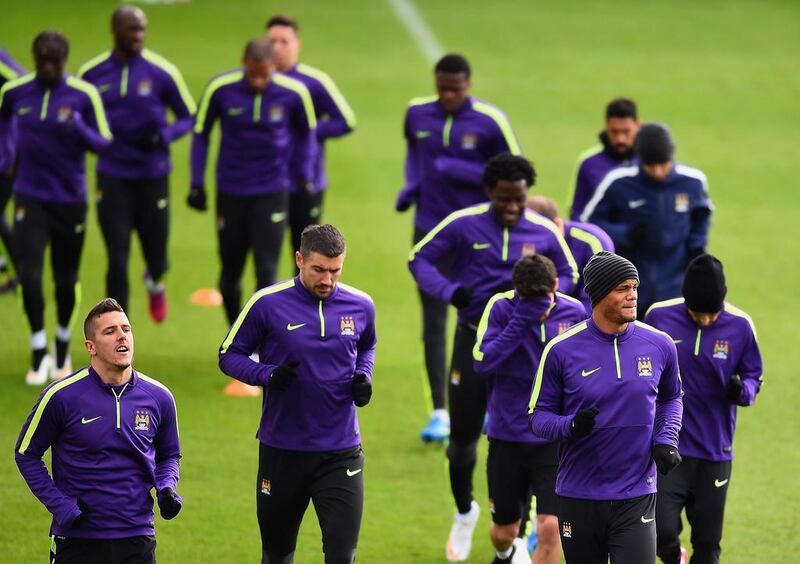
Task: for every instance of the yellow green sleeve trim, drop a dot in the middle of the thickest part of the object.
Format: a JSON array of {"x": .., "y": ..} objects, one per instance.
[
  {"x": 11, "y": 84},
  {"x": 97, "y": 104},
  {"x": 546, "y": 223},
  {"x": 588, "y": 238},
  {"x": 333, "y": 92},
  {"x": 665, "y": 303},
  {"x": 158, "y": 384},
  {"x": 733, "y": 310},
  {"x": 7, "y": 72},
  {"x": 355, "y": 290},
  {"x": 213, "y": 86},
  {"x": 537, "y": 386},
  {"x": 246, "y": 309},
  {"x": 474, "y": 210},
  {"x": 502, "y": 122},
  {"x": 483, "y": 325},
  {"x": 176, "y": 76},
  {"x": 590, "y": 152},
  {"x": 37, "y": 416},
  {"x": 93, "y": 62},
  {"x": 422, "y": 100},
  {"x": 302, "y": 91}
]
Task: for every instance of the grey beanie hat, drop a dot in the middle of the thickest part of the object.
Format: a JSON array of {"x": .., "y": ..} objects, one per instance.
[{"x": 604, "y": 272}]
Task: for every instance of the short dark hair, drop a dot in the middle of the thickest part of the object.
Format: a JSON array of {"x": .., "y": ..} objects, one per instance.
[
  {"x": 506, "y": 166},
  {"x": 122, "y": 11},
  {"x": 323, "y": 239},
  {"x": 543, "y": 206},
  {"x": 51, "y": 40},
  {"x": 534, "y": 276},
  {"x": 453, "y": 63},
  {"x": 105, "y": 306},
  {"x": 284, "y": 21},
  {"x": 258, "y": 50},
  {"x": 621, "y": 108}
]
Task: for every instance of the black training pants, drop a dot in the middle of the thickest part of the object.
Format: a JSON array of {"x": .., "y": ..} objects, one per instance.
[
  {"x": 245, "y": 223},
  {"x": 62, "y": 226},
  {"x": 701, "y": 487},
  {"x": 304, "y": 209},
  {"x": 288, "y": 480},
  {"x": 122, "y": 207},
  {"x": 130, "y": 550},
  {"x": 6, "y": 183},
  {"x": 592, "y": 531}
]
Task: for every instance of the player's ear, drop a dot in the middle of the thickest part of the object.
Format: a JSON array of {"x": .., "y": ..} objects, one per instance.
[
  {"x": 298, "y": 259},
  {"x": 90, "y": 347}
]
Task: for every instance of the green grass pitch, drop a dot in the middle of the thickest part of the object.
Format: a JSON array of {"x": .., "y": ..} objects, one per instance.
[{"x": 723, "y": 74}]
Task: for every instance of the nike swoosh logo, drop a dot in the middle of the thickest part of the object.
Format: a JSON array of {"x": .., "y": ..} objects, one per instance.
[
  {"x": 481, "y": 246},
  {"x": 277, "y": 217},
  {"x": 720, "y": 483},
  {"x": 85, "y": 421},
  {"x": 353, "y": 472},
  {"x": 290, "y": 327},
  {"x": 633, "y": 204},
  {"x": 645, "y": 521},
  {"x": 423, "y": 134},
  {"x": 677, "y": 341},
  {"x": 586, "y": 373}
]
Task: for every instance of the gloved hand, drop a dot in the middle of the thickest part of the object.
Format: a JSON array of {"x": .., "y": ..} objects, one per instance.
[
  {"x": 197, "y": 197},
  {"x": 734, "y": 387},
  {"x": 148, "y": 140},
  {"x": 583, "y": 422},
  {"x": 284, "y": 375},
  {"x": 534, "y": 309},
  {"x": 362, "y": 389},
  {"x": 666, "y": 457},
  {"x": 461, "y": 297},
  {"x": 637, "y": 234},
  {"x": 169, "y": 503},
  {"x": 406, "y": 198}
]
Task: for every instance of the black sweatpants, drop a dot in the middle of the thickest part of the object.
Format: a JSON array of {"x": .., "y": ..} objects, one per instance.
[
  {"x": 7, "y": 250},
  {"x": 288, "y": 480},
  {"x": 467, "y": 395},
  {"x": 700, "y": 486},
  {"x": 62, "y": 226},
  {"x": 124, "y": 206},
  {"x": 434, "y": 333},
  {"x": 304, "y": 209},
  {"x": 245, "y": 223},
  {"x": 592, "y": 531},
  {"x": 130, "y": 550}
]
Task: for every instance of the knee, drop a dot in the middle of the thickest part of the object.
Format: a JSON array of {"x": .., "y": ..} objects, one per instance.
[
  {"x": 340, "y": 556},
  {"x": 547, "y": 532},
  {"x": 705, "y": 551},
  {"x": 504, "y": 534},
  {"x": 270, "y": 558},
  {"x": 462, "y": 453}
]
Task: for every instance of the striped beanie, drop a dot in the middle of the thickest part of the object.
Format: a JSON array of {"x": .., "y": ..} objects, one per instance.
[{"x": 604, "y": 272}]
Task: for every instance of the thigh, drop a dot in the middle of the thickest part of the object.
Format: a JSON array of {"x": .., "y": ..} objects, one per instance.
[
  {"x": 133, "y": 550},
  {"x": 267, "y": 224},
  {"x": 632, "y": 531},
  {"x": 31, "y": 234},
  {"x": 542, "y": 470},
  {"x": 467, "y": 390},
  {"x": 232, "y": 230},
  {"x": 582, "y": 524},
  {"x": 67, "y": 231},
  {"x": 115, "y": 211},
  {"x": 507, "y": 480},
  {"x": 78, "y": 551},
  {"x": 710, "y": 490},
  {"x": 672, "y": 497},
  {"x": 151, "y": 213}
]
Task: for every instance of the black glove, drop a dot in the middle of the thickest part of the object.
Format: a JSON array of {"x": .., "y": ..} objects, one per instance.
[
  {"x": 362, "y": 389},
  {"x": 667, "y": 457},
  {"x": 197, "y": 197},
  {"x": 148, "y": 141},
  {"x": 637, "y": 235},
  {"x": 734, "y": 388},
  {"x": 84, "y": 512},
  {"x": 169, "y": 503},
  {"x": 461, "y": 297},
  {"x": 583, "y": 422},
  {"x": 283, "y": 376}
]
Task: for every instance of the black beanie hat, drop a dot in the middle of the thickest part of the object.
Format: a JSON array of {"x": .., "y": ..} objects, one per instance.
[
  {"x": 704, "y": 286},
  {"x": 654, "y": 144},
  {"x": 604, "y": 272}
]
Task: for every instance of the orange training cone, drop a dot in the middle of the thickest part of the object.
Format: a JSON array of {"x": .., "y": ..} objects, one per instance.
[{"x": 239, "y": 389}]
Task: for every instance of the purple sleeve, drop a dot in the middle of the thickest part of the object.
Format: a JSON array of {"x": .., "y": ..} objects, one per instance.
[
  {"x": 409, "y": 194},
  {"x": 245, "y": 336},
  {"x": 700, "y": 220},
  {"x": 204, "y": 122},
  {"x": 562, "y": 258},
  {"x": 466, "y": 172},
  {"x": 605, "y": 240},
  {"x": 750, "y": 369},
  {"x": 199, "y": 156},
  {"x": 603, "y": 216},
  {"x": 365, "y": 358},
  {"x": 442, "y": 240},
  {"x": 335, "y": 125},
  {"x": 183, "y": 114},
  {"x": 583, "y": 192},
  {"x": 546, "y": 402},
  {"x": 669, "y": 405},
  {"x": 86, "y": 123},
  {"x": 28, "y": 454},
  {"x": 167, "y": 447},
  {"x": 303, "y": 145}
]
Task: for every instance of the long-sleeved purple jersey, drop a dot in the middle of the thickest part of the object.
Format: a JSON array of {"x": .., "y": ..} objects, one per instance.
[
  {"x": 262, "y": 132},
  {"x": 335, "y": 118},
  {"x": 9, "y": 70},
  {"x": 136, "y": 93},
  {"x": 56, "y": 125},
  {"x": 447, "y": 153},
  {"x": 484, "y": 253},
  {"x": 708, "y": 358},
  {"x": 632, "y": 379},
  {"x": 110, "y": 446},
  {"x": 585, "y": 240},
  {"x": 332, "y": 339},
  {"x": 507, "y": 350}
]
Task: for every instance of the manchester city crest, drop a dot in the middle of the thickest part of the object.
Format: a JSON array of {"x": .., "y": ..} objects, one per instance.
[
  {"x": 720, "y": 349},
  {"x": 644, "y": 366},
  {"x": 347, "y": 325},
  {"x": 141, "y": 420}
]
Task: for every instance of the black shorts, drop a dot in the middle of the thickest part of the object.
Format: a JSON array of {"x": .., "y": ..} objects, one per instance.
[
  {"x": 515, "y": 469},
  {"x": 130, "y": 550}
]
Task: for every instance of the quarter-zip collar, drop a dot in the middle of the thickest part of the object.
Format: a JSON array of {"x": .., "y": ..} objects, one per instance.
[
  {"x": 610, "y": 337},
  {"x": 308, "y": 296},
  {"x": 465, "y": 107},
  {"x": 96, "y": 378}
]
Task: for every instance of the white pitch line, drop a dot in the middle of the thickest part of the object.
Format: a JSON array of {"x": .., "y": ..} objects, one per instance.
[{"x": 407, "y": 12}]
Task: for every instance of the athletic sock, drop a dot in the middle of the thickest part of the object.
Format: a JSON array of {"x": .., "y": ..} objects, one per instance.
[{"x": 152, "y": 286}]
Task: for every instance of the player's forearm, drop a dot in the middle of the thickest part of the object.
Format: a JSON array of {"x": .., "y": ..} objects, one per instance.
[
  {"x": 497, "y": 350},
  {"x": 669, "y": 415},
  {"x": 305, "y": 155},
  {"x": 198, "y": 158},
  {"x": 751, "y": 385},
  {"x": 548, "y": 425},
  {"x": 167, "y": 473},
  {"x": 64, "y": 509},
  {"x": 332, "y": 128},
  {"x": 177, "y": 129},
  {"x": 93, "y": 139},
  {"x": 430, "y": 280},
  {"x": 243, "y": 368},
  {"x": 465, "y": 172},
  {"x": 365, "y": 362}
]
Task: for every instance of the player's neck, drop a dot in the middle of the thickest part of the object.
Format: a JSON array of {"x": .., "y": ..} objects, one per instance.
[
  {"x": 112, "y": 375},
  {"x": 607, "y": 326}
]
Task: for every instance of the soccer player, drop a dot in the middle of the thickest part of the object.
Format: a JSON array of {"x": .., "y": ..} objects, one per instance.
[
  {"x": 137, "y": 87},
  {"x": 334, "y": 116},
  {"x": 609, "y": 390},
  {"x": 657, "y": 213},
  {"x": 584, "y": 240},
  {"x": 484, "y": 242},
  {"x": 512, "y": 334},
  {"x": 59, "y": 117},
  {"x": 450, "y": 137},
  {"x": 9, "y": 70},
  {"x": 267, "y": 119},
  {"x": 113, "y": 436},
  {"x": 316, "y": 343},
  {"x": 616, "y": 149},
  {"x": 721, "y": 367}
]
